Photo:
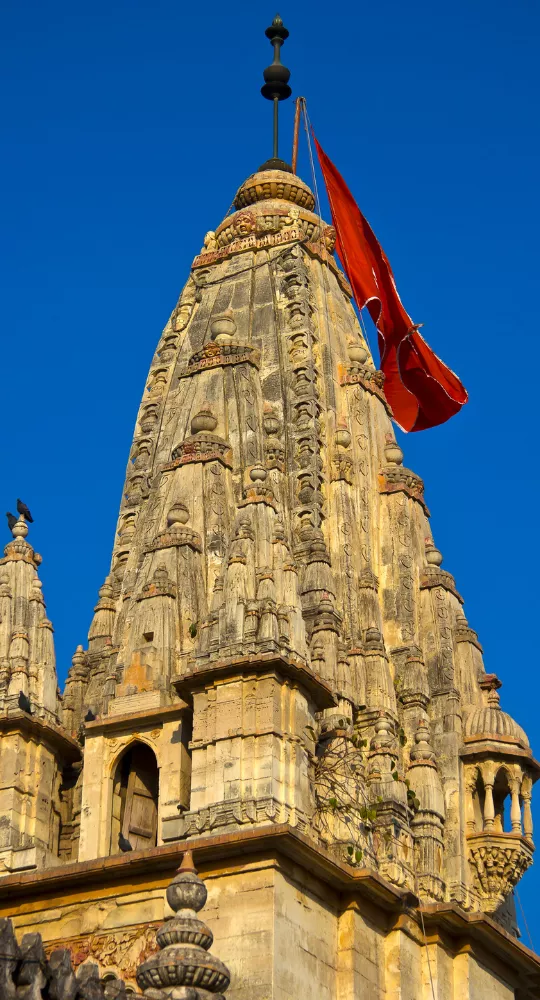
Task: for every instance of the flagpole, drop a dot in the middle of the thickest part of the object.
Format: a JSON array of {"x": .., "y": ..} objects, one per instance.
[
  {"x": 276, "y": 127},
  {"x": 298, "y": 108}
]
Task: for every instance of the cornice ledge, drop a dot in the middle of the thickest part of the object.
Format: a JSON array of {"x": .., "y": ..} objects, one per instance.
[
  {"x": 480, "y": 928},
  {"x": 271, "y": 838},
  {"x": 497, "y": 746},
  {"x": 253, "y": 663},
  {"x": 150, "y": 716},
  {"x": 433, "y": 576},
  {"x": 54, "y": 736},
  {"x": 465, "y": 928}
]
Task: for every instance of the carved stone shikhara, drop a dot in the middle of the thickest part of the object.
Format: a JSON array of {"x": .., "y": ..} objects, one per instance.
[{"x": 275, "y": 651}]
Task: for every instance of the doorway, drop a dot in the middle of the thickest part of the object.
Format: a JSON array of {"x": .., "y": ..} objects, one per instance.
[{"x": 135, "y": 799}]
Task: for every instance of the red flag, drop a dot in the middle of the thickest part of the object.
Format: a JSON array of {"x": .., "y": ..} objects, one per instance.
[{"x": 420, "y": 388}]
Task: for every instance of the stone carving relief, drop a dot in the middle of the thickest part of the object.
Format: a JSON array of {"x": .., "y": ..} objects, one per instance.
[{"x": 121, "y": 952}]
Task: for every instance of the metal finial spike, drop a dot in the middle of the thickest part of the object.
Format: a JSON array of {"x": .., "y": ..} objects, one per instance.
[{"x": 276, "y": 76}]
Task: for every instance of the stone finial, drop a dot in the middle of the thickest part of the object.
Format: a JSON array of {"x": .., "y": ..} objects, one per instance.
[
  {"x": 184, "y": 969},
  {"x": 271, "y": 422},
  {"x": 433, "y": 556},
  {"x": 494, "y": 699},
  {"x": 178, "y": 514},
  {"x": 357, "y": 353},
  {"x": 223, "y": 328},
  {"x": 258, "y": 474},
  {"x": 20, "y": 528},
  {"x": 78, "y": 659},
  {"x": 105, "y": 592},
  {"x": 204, "y": 420},
  {"x": 422, "y": 751},
  {"x": 383, "y": 736},
  {"x": 343, "y": 435},
  {"x": 392, "y": 452}
]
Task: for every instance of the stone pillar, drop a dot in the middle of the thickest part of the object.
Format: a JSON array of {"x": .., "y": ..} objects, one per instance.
[
  {"x": 515, "y": 808},
  {"x": 489, "y": 808},
  {"x": 527, "y": 816}
]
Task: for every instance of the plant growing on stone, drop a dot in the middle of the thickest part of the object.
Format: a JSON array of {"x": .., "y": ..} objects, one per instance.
[{"x": 342, "y": 814}]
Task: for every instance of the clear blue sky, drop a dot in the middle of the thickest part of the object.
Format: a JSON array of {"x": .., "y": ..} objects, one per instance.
[{"x": 128, "y": 127}]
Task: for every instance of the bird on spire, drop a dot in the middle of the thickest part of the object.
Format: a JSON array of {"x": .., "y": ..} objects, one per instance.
[
  {"x": 11, "y": 520},
  {"x": 24, "y": 512}
]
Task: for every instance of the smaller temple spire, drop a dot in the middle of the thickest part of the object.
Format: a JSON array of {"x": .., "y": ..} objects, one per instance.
[
  {"x": 27, "y": 661},
  {"x": 276, "y": 87},
  {"x": 184, "y": 967}
]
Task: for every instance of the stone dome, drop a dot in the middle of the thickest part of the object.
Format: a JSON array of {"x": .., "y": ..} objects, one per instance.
[
  {"x": 489, "y": 721},
  {"x": 279, "y": 184}
]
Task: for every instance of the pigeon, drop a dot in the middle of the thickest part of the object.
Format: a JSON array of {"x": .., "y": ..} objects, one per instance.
[
  {"x": 24, "y": 512},
  {"x": 24, "y": 703},
  {"x": 89, "y": 717},
  {"x": 124, "y": 843},
  {"x": 11, "y": 520}
]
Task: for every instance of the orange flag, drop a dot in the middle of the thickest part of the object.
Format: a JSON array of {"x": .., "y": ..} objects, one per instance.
[{"x": 420, "y": 388}]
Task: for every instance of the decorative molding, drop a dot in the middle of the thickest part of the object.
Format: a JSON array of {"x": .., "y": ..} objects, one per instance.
[
  {"x": 370, "y": 379},
  {"x": 292, "y": 234},
  {"x": 219, "y": 356},
  {"x": 498, "y": 861},
  {"x": 433, "y": 576},
  {"x": 397, "y": 479}
]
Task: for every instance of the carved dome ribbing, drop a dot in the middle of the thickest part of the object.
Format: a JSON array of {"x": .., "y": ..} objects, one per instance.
[
  {"x": 266, "y": 184},
  {"x": 490, "y": 721}
]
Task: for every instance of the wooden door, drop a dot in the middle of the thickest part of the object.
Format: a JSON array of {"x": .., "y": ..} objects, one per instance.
[{"x": 139, "y": 822}]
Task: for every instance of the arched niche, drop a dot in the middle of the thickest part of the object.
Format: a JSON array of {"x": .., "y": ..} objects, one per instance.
[{"x": 135, "y": 798}]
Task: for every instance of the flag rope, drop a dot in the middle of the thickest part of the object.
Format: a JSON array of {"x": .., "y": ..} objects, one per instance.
[
  {"x": 524, "y": 919},
  {"x": 303, "y": 109},
  {"x": 427, "y": 953},
  {"x": 308, "y": 129}
]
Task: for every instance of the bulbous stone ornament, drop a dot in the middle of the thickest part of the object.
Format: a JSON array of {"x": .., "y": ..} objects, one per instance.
[
  {"x": 223, "y": 329},
  {"x": 178, "y": 514},
  {"x": 183, "y": 969},
  {"x": 20, "y": 529},
  {"x": 343, "y": 437},
  {"x": 357, "y": 353},
  {"x": 186, "y": 891},
  {"x": 204, "y": 420},
  {"x": 258, "y": 474},
  {"x": 392, "y": 452},
  {"x": 433, "y": 556},
  {"x": 270, "y": 423}
]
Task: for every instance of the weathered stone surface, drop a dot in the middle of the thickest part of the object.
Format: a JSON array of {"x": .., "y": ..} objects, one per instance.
[{"x": 276, "y": 644}]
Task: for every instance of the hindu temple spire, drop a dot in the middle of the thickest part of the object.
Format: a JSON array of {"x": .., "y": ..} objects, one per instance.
[
  {"x": 278, "y": 658},
  {"x": 27, "y": 660},
  {"x": 276, "y": 86}
]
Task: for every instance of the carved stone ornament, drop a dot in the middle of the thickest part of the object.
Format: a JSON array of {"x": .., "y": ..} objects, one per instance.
[
  {"x": 218, "y": 355},
  {"x": 184, "y": 940},
  {"x": 370, "y": 380},
  {"x": 498, "y": 862},
  {"x": 396, "y": 479},
  {"x": 28, "y": 970}
]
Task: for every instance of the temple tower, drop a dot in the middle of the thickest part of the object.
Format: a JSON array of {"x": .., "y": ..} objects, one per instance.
[
  {"x": 279, "y": 672},
  {"x": 38, "y": 759},
  {"x": 275, "y": 597}
]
